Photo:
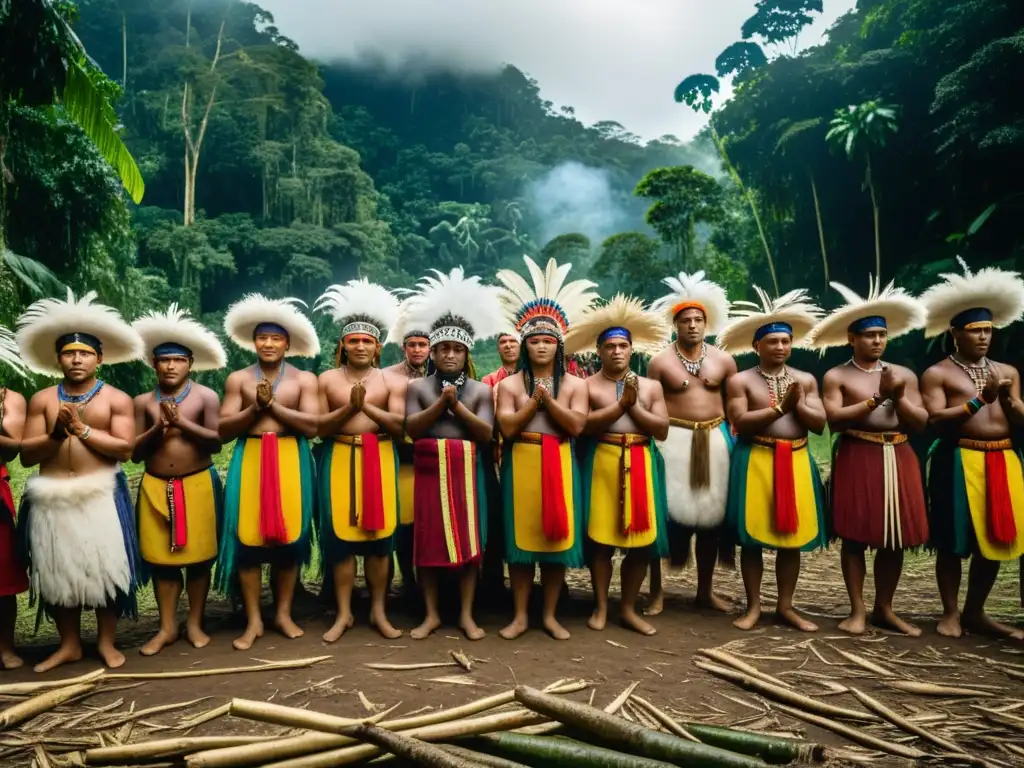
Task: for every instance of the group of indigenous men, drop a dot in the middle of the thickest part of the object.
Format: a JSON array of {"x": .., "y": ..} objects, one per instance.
[{"x": 535, "y": 466}]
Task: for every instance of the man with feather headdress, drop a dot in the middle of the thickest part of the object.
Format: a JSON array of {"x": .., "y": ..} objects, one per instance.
[
  {"x": 13, "y": 576},
  {"x": 451, "y": 418},
  {"x": 622, "y": 469},
  {"x": 877, "y": 495},
  {"x": 541, "y": 410},
  {"x": 178, "y": 506},
  {"x": 362, "y": 409},
  {"x": 975, "y": 479},
  {"x": 699, "y": 444},
  {"x": 271, "y": 409},
  {"x": 775, "y": 494},
  {"x": 77, "y": 512}
]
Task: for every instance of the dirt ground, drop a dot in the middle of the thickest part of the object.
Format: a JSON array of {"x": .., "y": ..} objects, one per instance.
[{"x": 611, "y": 660}]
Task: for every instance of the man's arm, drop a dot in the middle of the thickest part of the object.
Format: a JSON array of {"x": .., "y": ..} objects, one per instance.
[
  {"x": 391, "y": 419},
  {"x": 809, "y": 410},
  {"x": 204, "y": 435},
  {"x": 118, "y": 442},
  {"x": 909, "y": 407},
  {"x": 480, "y": 419},
  {"x": 1009, "y": 394},
  {"x": 933, "y": 394},
  {"x": 38, "y": 445},
  {"x": 598, "y": 421},
  {"x": 331, "y": 421},
  {"x": 654, "y": 420},
  {"x": 306, "y": 418},
  {"x": 418, "y": 420},
  {"x": 147, "y": 440},
  {"x": 743, "y": 420},
  {"x": 12, "y": 425},
  {"x": 510, "y": 421},
  {"x": 572, "y": 418},
  {"x": 235, "y": 420},
  {"x": 840, "y": 417}
]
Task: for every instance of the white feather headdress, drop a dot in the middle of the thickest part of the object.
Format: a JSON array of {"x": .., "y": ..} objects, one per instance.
[
  {"x": 901, "y": 311},
  {"x": 647, "y": 329},
  {"x": 9, "y": 351},
  {"x": 550, "y": 305},
  {"x": 453, "y": 307},
  {"x": 792, "y": 309},
  {"x": 175, "y": 326},
  {"x": 47, "y": 320},
  {"x": 999, "y": 291},
  {"x": 402, "y": 330},
  {"x": 360, "y": 306},
  {"x": 694, "y": 291},
  {"x": 255, "y": 309}
]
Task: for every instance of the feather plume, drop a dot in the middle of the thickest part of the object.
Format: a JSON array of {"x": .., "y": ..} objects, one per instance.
[
  {"x": 695, "y": 288},
  {"x": 647, "y": 328},
  {"x": 176, "y": 326},
  {"x": 549, "y": 296},
  {"x": 794, "y": 308},
  {"x": 454, "y": 298},
  {"x": 997, "y": 290},
  {"x": 254, "y": 308},
  {"x": 9, "y": 351},
  {"x": 902, "y": 312},
  {"x": 361, "y": 300}
]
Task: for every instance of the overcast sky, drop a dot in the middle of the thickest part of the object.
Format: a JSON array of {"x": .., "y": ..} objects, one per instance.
[{"x": 610, "y": 59}]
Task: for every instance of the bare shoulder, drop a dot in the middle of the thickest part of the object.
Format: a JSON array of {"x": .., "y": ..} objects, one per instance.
[
  {"x": 118, "y": 398},
  {"x": 936, "y": 373},
  {"x": 651, "y": 385},
  {"x": 475, "y": 388},
  {"x": 658, "y": 361},
  {"x": 306, "y": 377},
  {"x": 714, "y": 353},
  {"x": 903, "y": 370},
  {"x": 1005, "y": 369},
  {"x": 207, "y": 394},
  {"x": 10, "y": 396},
  {"x": 805, "y": 378},
  {"x": 833, "y": 375},
  {"x": 235, "y": 378},
  {"x": 416, "y": 387},
  {"x": 147, "y": 397},
  {"x": 394, "y": 381},
  {"x": 573, "y": 384},
  {"x": 329, "y": 375},
  {"x": 513, "y": 383},
  {"x": 43, "y": 396}
]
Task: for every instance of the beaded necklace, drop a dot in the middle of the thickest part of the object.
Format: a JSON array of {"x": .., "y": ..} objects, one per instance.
[
  {"x": 692, "y": 366},
  {"x": 81, "y": 400},
  {"x": 777, "y": 385},
  {"x": 280, "y": 375},
  {"x": 177, "y": 399},
  {"x": 979, "y": 373},
  {"x": 620, "y": 384},
  {"x": 879, "y": 366}
]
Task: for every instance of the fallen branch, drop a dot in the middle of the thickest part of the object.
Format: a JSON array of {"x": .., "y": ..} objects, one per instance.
[
  {"x": 415, "y": 751},
  {"x": 405, "y": 667},
  {"x": 931, "y": 689},
  {"x": 148, "y": 750},
  {"x": 26, "y": 710},
  {"x": 902, "y": 723}
]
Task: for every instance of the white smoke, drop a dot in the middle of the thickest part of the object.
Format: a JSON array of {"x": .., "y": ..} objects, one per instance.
[{"x": 573, "y": 197}]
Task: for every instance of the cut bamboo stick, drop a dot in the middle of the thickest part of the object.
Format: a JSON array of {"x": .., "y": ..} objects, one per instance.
[
  {"x": 853, "y": 734},
  {"x": 149, "y": 750},
  {"x": 863, "y": 663},
  {"x": 666, "y": 722},
  {"x": 724, "y": 657},
  {"x": 931, "y": 689},
  {"x": 44, "y": 702},
  {"x": 264, "y": 667},
  {"x": 901, "y": 722},
  {"x": 47, "y": 685},
  {"x": 407, "y": 667}
]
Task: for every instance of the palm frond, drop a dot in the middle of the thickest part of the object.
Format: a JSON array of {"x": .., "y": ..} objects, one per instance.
[{"x": 34, "y": 275}]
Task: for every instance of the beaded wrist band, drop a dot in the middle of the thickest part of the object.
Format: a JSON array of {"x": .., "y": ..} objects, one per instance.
[
  {"x": 973, "y": 406},
  {"x": 872, "y": 402}
]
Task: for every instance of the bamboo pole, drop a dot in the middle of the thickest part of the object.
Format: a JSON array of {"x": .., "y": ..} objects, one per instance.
[
  {"x": 47, "y": 685},
  {"x": 26, "y": 710},
  {"x": 148, "y": 750},
  {"x": 853, "y": 734},
  {"x": 724, "y": 657},
  {"x": 265, "y": 667}
]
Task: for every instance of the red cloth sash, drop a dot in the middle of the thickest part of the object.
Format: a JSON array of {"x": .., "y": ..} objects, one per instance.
[
  {"x": 176, "y": 509},
  {"x": 373, "y": 497},
  {"x": 1000, "y": 506},
  {"x": 785, "y": 489},
  {"x": 447, "y": 530},
  {"x": 554, "y": 512},
  {"x": 634, "y": 460},
  {"x": 272, "y": 528},
  {"x": 6, "y": 495}
]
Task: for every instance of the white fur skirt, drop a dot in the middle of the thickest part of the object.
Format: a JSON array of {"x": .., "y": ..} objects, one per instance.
[
  {"x": 76, "y": 540},
  {"x": 705, "y": 507}
]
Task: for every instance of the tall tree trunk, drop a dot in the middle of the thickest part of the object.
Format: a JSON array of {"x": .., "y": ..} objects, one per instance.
[
  {"x": 194, "y": 144},
  {"x": 874, "y": 206},
  {"x": 124, "y": 51},
  {"x": 821, "y": 227}
]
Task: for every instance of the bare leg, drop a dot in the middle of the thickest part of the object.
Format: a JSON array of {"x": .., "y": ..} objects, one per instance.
[
  {"x": 68, "y": 621},
  {"x": 601, "y": 580},
  {"x": 467, "y": 591},
  {"x": 787, "y": 571},
  {"x": 552, "y": 578},
  {"x": 249, "y": 580},
  {"x": 948, "y": 572},
  {"x": 656, "y": 595},
  {"x": 854, "y": 569},
  {"x": 888, "y": 569},
  {"x": 8, "y": 618},
  {"x": 106, "y": 631},
  {"x": 167, "y": 592},
  {"x": 634, "y": 568},
  {"x": 980, "y": 579},
  {"x": 706, "y": 548},
  {"x": 521, "y": 577},
  {"x": 376, "y": 567},
  {"x": 344, "y": 574},
  {"x": 752, "y": 568},
  {"x": 428, "y": 585},
  {"x": 197, "y": 584},
  {"x": 285, "y": 578}
]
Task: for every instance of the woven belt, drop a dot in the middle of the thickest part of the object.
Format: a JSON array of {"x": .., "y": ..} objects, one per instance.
[
  {"x": 1006, "y": 444},
  {"x": 771, "y": 441},
  {"x": 696, "y": 424},
  {"x": 879, "y": 438},
  {"x": 358, "y": 439},
  {"x": 624, "y": 439},
  {"x": 536, "y": 438}
]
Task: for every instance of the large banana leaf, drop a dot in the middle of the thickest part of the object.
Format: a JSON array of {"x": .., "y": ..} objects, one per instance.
[{"x": 34, "y": 275}]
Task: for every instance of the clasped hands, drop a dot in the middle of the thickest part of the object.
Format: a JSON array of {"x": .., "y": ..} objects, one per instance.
[
  {"x": 264, "y": 394},
  {"x": 630, "y": 392},
  {"x": 69, "y": 422},
  {"x": 995, "y": 388}
]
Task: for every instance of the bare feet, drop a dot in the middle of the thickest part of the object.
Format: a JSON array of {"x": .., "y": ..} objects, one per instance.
[
  {"x": 470, "y": 629},
  {"x": 949, "y": 625},
  {"x": 712, "y": 601},
  {"x": 749, "y": 619},
  {"x": 794, "y": 619},
  {"x": 284, "y": 624},
  {"x": 855, "y": 624},
  {"x": 655, "y": 604},
  {"x": 885, "y": 617},
  {"x": 158, "y": 641},
  {"x": 10, "y": 660},
  {"x": 338, "y": 628},
  {"x": 632, "y": 620},
  {"x": 427, "y": 628},
  {"x": 515, "y": 629},
  {"x": 556, "y": 630},
  {"x": 598, "y": 619},
  {"x": 196, "y": 636},
  {"x": 387, "y": 631},
  {"x": 982, "y": 624},
  {"x": 253, "y": 631},
  {"x": 63, "y": 655},
  {"x": 112, "y": 657}
]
